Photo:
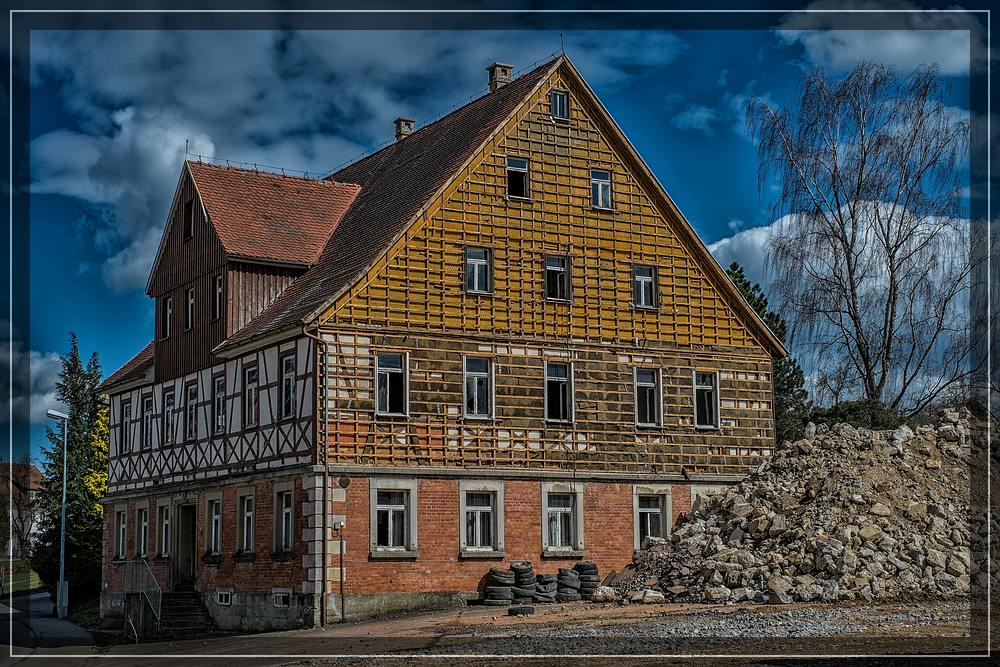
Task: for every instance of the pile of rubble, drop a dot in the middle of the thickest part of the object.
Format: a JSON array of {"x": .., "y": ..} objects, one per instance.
[{"x": 842, "y": 514}]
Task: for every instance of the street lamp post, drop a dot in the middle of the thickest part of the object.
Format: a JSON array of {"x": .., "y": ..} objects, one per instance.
[{"x": 62, "y": 590}]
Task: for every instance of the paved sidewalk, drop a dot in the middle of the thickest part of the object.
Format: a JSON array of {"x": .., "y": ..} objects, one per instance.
[{"x": 36, "y": 630}]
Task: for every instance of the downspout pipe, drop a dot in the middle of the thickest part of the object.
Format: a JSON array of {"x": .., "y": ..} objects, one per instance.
[{"x": 324, "y": 429}]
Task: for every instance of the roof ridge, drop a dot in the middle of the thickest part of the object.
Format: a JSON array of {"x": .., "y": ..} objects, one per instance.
[
  {"x": 263, "y": 172},
  {"x": 382, "y": 148}
]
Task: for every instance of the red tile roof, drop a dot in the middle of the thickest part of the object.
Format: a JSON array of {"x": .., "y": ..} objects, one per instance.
[
  {"x": 133, "y": 369},
  {"x": 395, "y": 183},
  {"x": 269, "y": 216}
]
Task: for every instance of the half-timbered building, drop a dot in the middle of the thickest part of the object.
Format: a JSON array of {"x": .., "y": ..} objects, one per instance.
[{"x": 495, "y": 339}]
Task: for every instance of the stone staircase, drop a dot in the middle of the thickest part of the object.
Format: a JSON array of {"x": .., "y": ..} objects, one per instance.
[{"x": 182, "y": 614}]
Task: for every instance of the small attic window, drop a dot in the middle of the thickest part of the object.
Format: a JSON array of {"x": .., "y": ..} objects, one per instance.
[
  {"x": 559, "y": 104},
  {"x": 189, "y": 219}
]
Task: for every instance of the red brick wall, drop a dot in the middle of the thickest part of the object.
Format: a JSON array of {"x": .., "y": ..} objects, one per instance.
[
  {"x": 260, "y": 575},
  {"x": 608, "y": 536}
]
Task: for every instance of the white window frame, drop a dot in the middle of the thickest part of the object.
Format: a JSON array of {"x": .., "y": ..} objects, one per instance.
[
  {"x": 495, "y": 489},
  {"x": 490, "y": 383},
  {"x": 163, "y": 529},
  {"x": 289, "y": 385},
  {"x": 564, "y": 95},
  {"x": 281, "y": 597},
  {"x": 284, "y": 516},
  {"x": 657, "y": 388},
  {"x": 121, "y": 528},
  {"x": 526, "y": 170},
  {"x": 142, "y": 531},
  {"x": 409, "y": 486},
  {"x": 224, "y": 597},
  {"x": 251, "y": 396},
  {"x": 189, "y": 309},
  {"x": 567, "y": 273},
  {"x": 574, "y": 489},
  {"x": 246, "y": 514},
  {"x": 480, "y": 268},
  {"x": 217, "y": 296},
  {"x": 666, "y": 505},
  {"x": 572, "y": 392},
  {"x": 167, "y": 314},
  {"x": 126, "y": 426},
  {"x": 601, "y": 183},
  {"x": 214, "y": 526},
  {"x": 219, "y": 404},
  {"x": 169, "y": 415},
  {"x": 694, "y": 396},
  {"x": 148, "y": 408},
  {"x": 190, "y": 412},
  {"x": 652, "y": 279},
  {"x": 406, "y": 383}
]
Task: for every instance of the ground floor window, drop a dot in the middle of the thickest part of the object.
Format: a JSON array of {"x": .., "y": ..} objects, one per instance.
[
  {"x": 481, "y": 517},
  {"x": 163, "y": 520},
  {"x": 651, "y": 511},
  {"x": 283, "y": 520},
  {"x": 215, "y": 527},
  {"x": 120, "y": 533},
  {"x": 246, "y": 508},
  {"x": 142, "y": 532},
  {"x": 562, "y": 516},
  {"x": 393, "y": 521}
]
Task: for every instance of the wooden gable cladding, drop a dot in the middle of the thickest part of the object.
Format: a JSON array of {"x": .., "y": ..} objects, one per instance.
[
  {"x": 418, "y": 284},
  {"x": 182, "y": 259},
  {"x": 251, "y": 288}
]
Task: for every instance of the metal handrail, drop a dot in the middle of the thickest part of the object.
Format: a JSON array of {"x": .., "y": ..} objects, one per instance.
[{"x": 139, "y": 578}]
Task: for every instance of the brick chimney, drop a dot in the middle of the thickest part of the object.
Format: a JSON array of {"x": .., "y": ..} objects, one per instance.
[
  {"x": 499, "y": 75},
  {"x": 404, "y": 127}
]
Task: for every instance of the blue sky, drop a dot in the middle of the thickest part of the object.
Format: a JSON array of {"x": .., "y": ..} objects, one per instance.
[{"x": 110, "y": 113}]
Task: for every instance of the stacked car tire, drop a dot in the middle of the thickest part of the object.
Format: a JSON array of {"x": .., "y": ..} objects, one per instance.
[
  {"x": 546, "y": 587},
  {"x": 523, "y": 589},
  {"x": 590, "y": 580},
  {"x": 499, "y": 588},
  {"x": 568, "y": 589}
]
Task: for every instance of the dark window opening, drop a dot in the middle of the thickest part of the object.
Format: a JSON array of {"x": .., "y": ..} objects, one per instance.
[
  {"x": 558, "y": 393},
  {"x": 705, "y": 412},
  {"x": 217, "y": 297},
  {"x": 557, "y": 278},
  {"x": 517, "y": 177},
  {"x": 391, "y": 381},
  {"x": 647, "y": 399},
  {"x": 188, "y": 219}
]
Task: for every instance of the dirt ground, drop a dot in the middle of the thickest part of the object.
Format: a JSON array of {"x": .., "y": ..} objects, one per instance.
[{"x": 599, "y": 635}]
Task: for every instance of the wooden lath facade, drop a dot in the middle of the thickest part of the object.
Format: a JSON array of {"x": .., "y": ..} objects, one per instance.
[{"x": 413, "y": 300}]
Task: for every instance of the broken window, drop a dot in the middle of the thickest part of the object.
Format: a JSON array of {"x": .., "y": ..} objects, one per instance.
[
  {"x": 479, "y": 522},
  {"x": 478, "y": 388},
  {"x": 390, "y": 519},
  {"x": 650, "y": 517},
  {"x": 600, "y": 188},
  {"x": 478, "y": 271},
  {"x": 517, "y": 177},
  {"x": 705, "y": 400},
  {"x": 644, "y": 287},
  {"x": 647, "y": 397},
  {"x": 558, "y": 392},
  {"x": 390, "y": 369},
  {"x": 561, "y": 520},
  {"x": 557, "y": 278}
]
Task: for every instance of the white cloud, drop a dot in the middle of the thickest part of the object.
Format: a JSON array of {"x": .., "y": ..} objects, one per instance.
[
  {"x": 696, "y": 117},
  {"x": 904, "y": 40},
  {"x": 735, "y": 225},
  {"x": 35, "y": 375},
  {"x": 746, "y": 247},
  {"x": 306, "y": 100}
]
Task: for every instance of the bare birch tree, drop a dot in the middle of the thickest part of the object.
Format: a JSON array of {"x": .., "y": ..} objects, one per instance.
[{"x": 870, "y": 256}]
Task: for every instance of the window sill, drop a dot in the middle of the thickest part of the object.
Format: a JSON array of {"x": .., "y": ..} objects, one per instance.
[
  {"x": 527, "y": 200},
  {"x": 562, "y": 553},
  {"x": 649, "y": 427},
  {"x": 603, "y": 209},
  {"x": 282, "y": 556},
  {"x": 244, "y": 557},
  {"x": 391, "y": 415},
  {"x": 393, "y": 554},
  {"x": 558, "y": 424},
  {"x": 707, "y": 428},
  {"x": 648, "y": 309},
  {"x": 474, "y": 293},
  {"x": 551, "y": 299},
  {"x": 119, "y": 560},
  {"x": 561, "y": 121},
  {"x": 211, "y": 559},
  {"x": 483, "y": 554},
  {"x": 162, "y": 559}
]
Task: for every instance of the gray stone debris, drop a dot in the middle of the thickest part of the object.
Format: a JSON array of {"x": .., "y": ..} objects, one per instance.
[{"x": 844, "y": 514}]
